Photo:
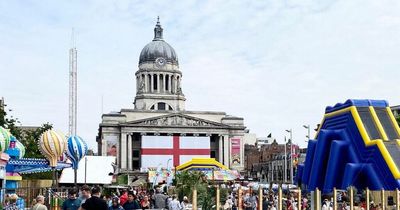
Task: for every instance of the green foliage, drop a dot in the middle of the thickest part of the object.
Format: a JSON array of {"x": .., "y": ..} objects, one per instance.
[
  {"x": 28, "y": 137},
  {"x": 186, "y": 181}
]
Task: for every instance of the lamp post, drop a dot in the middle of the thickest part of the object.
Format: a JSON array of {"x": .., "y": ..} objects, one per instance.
[
  {"x": 308, "y": 131},
  {"x": 291, "y": 155},
  {"x": 285, "y": 164}
]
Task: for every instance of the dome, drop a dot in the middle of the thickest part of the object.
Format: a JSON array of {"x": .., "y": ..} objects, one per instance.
[{"x": 158, "y": 48}]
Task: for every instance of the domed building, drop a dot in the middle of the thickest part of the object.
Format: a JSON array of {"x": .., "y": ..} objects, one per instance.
[{"x": 158, "y": 130}]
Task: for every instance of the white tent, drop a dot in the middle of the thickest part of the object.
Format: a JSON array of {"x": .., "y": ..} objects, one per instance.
[{"x": 97, "y": 171}]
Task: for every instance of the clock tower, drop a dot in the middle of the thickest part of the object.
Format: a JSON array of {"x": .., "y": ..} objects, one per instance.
[{"x": 158, "y": 80}]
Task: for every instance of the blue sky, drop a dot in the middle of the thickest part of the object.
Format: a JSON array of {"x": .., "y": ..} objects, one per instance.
[{"x": 276, "y": 63}]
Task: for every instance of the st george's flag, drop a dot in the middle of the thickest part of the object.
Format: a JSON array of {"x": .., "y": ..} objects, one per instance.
[{"x": 172, "y": 150}]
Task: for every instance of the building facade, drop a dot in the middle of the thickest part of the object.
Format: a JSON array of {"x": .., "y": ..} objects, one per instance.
[
  {"x": 267, "y": 162},
  {"x": 159, "y": 131}
]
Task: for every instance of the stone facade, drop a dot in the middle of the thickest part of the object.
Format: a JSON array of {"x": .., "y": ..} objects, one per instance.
[{"x": 160, "y": 110}]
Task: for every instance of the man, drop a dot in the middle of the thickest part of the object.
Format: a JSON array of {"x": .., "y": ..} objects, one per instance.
[
  {"x": 39, "y": 203},
  {"x": 94, "y": 202},
  {"x": 85, "y": 194},
  {"x": 174, "y": 204},
  {"x": 132, "y": 203},
  {"x": 72, "y": 203},
  {"x": 159, "y": 199}
]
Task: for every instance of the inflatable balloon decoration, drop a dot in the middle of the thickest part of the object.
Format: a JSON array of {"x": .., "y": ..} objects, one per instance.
[
  {"x": 5, "y": 137},
  {"x": 52, "y": 144},
  {"x": 76, "y": 150},
  {"x": 21, "y": 148}
]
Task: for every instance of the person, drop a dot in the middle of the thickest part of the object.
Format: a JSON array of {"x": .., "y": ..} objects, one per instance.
[
  {"x": 94, "y": 202},
  {"x": 228, "y": 203},
  {"x": 115, "y": 204},
  {"x": 185, "y": 203},
  {"x": 39, "y": 203},
  {"x": 124, "y": 197},
  {"x": 72, "y": 203},
  {"x": 132, "y": 203},
  {"x": 85, "y": 194},
  {"x": 12, "y": 205},
  {"x": 159, "y": 199},
  {"x": 145, "y": 202},
  {"x": 174, "y": 204}
]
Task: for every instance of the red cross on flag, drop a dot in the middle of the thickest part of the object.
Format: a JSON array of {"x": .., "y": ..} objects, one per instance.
[{"x": 172, "y": 150}]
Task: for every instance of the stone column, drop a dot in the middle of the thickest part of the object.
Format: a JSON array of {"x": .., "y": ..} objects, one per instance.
[
  {"x": 163, "y": 83},
  {"x": 152, "y": 83},
  {"x": 158, "y": 83},
  {"x": 170, "y": 83},
  {"x": 227, "y": 149},
  {"x": 130, "y": 151},
  {"x": 123, "y": 151},
  {"x": 220, "y": 150},
  {"x": 145, "y": 83}
]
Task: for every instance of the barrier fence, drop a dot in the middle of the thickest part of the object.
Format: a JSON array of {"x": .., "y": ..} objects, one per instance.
[
  {"x": 54, "y": 197},
  {"x": 280, "y": 198}
]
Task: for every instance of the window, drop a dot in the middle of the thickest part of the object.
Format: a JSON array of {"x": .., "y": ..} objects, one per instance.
[
  {"x": 152, "y": 107},
  {"x": 155, "y": 82},
  {"x": 161, "y": 106},
  {"x": 135, "y": 164},
  {"x": 212, "y": 155},
  {"x": 170, "y": 108},
  {"x": 167, "y": 82},
  {"x": 135, "y": 153}
]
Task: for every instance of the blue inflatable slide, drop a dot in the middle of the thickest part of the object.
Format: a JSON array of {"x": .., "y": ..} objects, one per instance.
[{"x": 357, "y": 144}]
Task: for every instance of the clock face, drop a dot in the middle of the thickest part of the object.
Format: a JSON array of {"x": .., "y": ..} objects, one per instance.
[{"x": 160, "y": 62}]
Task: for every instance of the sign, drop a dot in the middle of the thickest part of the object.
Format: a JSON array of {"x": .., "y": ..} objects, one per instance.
[{"x": 235, "y": 151}]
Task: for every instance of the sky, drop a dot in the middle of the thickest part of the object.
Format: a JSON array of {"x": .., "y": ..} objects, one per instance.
[{"x": 276, "y": 63}]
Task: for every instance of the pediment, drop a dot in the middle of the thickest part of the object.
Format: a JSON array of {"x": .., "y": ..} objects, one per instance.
[{"x": 176, "y": 120}]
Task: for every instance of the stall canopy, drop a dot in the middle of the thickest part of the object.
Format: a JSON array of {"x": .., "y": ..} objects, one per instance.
[{"x": 97, "y": 171}]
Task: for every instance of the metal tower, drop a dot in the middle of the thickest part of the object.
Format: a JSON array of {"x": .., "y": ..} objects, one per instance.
[{"x": 72, "y": 86}]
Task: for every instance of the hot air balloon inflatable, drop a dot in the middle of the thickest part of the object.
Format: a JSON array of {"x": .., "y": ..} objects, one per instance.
[
  {"x": 52, "y": 144},
  {"x": 5, "y": 137},
  {"x": 76, "y": 150}
]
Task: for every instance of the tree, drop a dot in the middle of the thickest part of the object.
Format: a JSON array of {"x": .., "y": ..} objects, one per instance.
[
  {"x": 186, "y": 181},
  {"x": 28, "y": 137}
]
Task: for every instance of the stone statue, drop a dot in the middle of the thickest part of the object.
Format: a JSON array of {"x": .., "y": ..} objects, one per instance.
[{"x": 141, "y": 87}]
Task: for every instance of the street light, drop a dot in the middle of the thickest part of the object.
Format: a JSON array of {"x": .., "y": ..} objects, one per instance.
[
  {"x": 291, "y": 154},
  {"x": 308, "y": 131}
]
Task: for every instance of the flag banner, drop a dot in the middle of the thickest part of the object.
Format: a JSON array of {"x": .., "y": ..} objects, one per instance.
[
  {"x": 171, "y": 151},
  {"x": 235, "y": 151}
]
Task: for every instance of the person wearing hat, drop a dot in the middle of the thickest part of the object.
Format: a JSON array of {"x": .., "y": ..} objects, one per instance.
[{"x": 185, "y": 203}]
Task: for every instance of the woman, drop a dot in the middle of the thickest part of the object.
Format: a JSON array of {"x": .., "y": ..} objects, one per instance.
[
  {"x": 115, "y": 205},
  {"x": 145, "y": 202}
]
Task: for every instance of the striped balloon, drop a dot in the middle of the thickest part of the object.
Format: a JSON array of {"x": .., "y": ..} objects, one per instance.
[
  {"x": 52, "y": 144},
  {"x": 76, "y": 150},
  {"x": 21, "y": 148},
  {"x": 5, "y": 136}
]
